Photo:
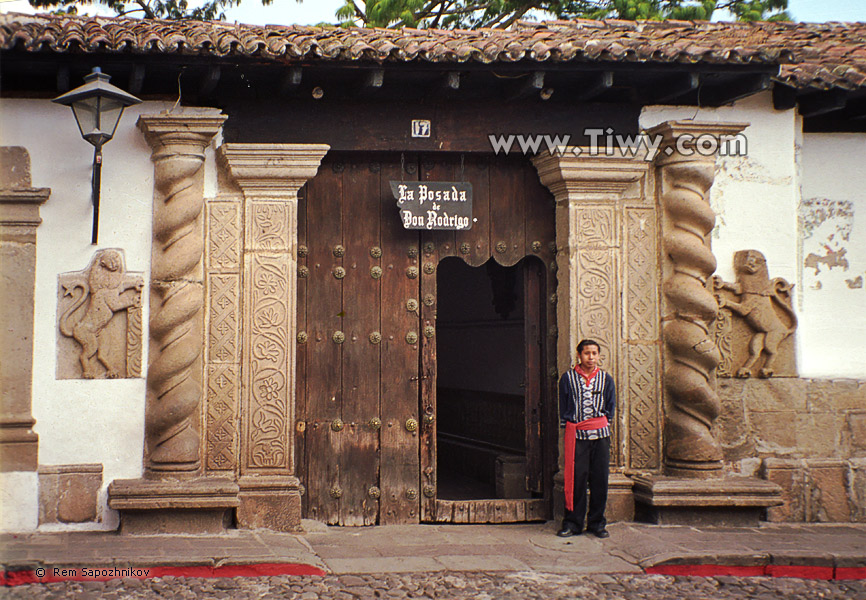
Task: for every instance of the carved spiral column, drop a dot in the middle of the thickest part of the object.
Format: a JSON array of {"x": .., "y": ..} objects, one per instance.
[
  {"x": 174, "y": 379},
  {"x": 690, "y": 449}
]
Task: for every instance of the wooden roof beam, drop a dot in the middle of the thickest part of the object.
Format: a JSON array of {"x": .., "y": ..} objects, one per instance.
[
  {"x": 530, "y": 86},
  {"x": 594, "y": 87},
  {"x": 670, "y": 88},
  {"x": 784, "y": 97},
  {"x": 209, "y": 80},
  {"x": 373, "y": 82},
  {"x": 821, "y": 103},
  {"x": 855, "y": 109},
  {"x": 445, "y": 86},
  {"x": 291, "y": 80},
  {"x": 136, "y": 79},
  {"x": 740, "y": 87}
]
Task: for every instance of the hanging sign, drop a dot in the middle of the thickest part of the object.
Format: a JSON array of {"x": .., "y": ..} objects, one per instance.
[{"x": 434, "y": 204}]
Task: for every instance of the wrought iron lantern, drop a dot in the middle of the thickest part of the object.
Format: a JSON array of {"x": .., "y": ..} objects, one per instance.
[{"x": 97, "y": 106}]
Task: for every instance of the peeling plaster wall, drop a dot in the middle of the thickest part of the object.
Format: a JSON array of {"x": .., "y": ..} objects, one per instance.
[
  {"x": 755, "y": 196},
  {"x": 832, "y": 274},
  {"x": 817, "y": 243},
  {"x": 82, "y": 421}
]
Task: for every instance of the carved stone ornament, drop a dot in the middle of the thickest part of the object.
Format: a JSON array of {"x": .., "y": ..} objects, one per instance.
[
  {"x": 755, "y": 322},
  {"x": 99, "y": 318}
]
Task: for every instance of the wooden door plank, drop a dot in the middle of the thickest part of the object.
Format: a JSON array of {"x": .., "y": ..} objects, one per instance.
[
  {"x": 435, "y": 245},
  {"x": 301, "y": 356},
  {"x": 533, "y": 278},
  {"x": 507, "y": 207},
  {"x": 399, "y": 455},
  {"x": 324, "y": 301},
  {"x": 438, "y": 168},
  {"x": 427, "y": 308},
  {"x": 478, "y": 174},
  {"x": 360, "y": 372},
  {"x": 541, "y": 242}
]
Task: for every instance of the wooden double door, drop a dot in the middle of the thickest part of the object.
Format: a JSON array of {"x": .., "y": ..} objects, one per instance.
[{"x": 366, "y": 412}]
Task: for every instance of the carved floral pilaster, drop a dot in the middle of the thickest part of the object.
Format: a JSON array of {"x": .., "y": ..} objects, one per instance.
[
  {"x": 587, "y": 190},
  {"x": 223, "y": 320},
  {"x": 685, "y": 177},
  {"x": 591, "y": 193},
  {"x": 174, "y": 382},
  {"x": 269, "y": 176}
]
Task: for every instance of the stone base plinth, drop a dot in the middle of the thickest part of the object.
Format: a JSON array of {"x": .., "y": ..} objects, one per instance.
[
  {"x": 726, "y": 501},
  {"x": 187, "y": 506},
  {"x": 270, "y": 502},
  {"x": 19, "y": 446},
  {"x": 620, "y": 499}
]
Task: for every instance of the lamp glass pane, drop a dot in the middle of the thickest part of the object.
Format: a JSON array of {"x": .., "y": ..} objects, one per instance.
[
  {"x": 86, "y": 114},
  {"x": 109, "y": 115}
]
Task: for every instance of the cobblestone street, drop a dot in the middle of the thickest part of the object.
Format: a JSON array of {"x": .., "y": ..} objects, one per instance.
[{"x": 453, "y": 586}]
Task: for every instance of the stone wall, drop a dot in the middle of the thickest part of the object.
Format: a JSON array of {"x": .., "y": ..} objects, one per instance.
[{"x": 807, "y": 435}]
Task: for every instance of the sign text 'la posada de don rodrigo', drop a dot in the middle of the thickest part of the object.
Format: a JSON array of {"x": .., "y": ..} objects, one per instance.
[{"x": 434, "y": 204}]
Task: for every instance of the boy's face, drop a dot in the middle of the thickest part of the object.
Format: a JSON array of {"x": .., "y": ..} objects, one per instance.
[{"x": 589, "y": 357}]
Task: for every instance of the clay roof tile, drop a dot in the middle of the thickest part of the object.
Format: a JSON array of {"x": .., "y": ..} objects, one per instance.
[{"x": 815, "y": 54}]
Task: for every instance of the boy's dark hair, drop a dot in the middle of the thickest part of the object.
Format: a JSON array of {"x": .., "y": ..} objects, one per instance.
[{"x": 584, "y": 343}]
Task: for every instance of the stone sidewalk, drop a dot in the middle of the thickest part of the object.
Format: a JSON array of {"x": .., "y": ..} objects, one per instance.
[{"x": 823, "y": 551}]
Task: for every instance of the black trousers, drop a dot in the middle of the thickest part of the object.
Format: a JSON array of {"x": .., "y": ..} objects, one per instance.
[{"x": 591, "y": 466}]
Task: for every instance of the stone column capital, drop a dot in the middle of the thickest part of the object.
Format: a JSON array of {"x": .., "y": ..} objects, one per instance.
[
  {"x": 195, "y": 131},
  {"x": 575, "y": 174},
  {"x": 680, "y": 140},
  {"x": 20, "y": 207},
  {"x": 272, "y": 171}
]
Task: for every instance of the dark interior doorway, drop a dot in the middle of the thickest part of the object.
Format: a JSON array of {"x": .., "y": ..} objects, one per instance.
[{"x": 481, "y": 400}]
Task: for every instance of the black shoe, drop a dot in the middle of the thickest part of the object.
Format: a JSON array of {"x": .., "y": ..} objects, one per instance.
[
  {"x": 567, "y": 531},
  {"x": 601, "y": 533}
]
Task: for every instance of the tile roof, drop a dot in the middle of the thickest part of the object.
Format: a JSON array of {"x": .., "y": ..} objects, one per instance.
[{"x": 811, "y": 55}]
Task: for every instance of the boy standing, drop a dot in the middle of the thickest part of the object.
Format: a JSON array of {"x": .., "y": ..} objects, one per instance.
[{"x": 587, "y": 401}]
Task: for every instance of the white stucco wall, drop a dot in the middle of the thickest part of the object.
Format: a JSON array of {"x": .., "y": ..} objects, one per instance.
[
  {"x": 757, "y": 199},
  {"x": 82, "y": 421},
  {"x": 832, "y": 333}
]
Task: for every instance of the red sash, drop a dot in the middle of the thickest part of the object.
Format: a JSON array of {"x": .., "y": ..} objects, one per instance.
[{"x": 571, "y": 430}]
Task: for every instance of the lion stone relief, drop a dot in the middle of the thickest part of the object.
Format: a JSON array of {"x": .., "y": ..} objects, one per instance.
[
  {"x": 755, "y": 322},
  {"x": 99, "y": 320}
]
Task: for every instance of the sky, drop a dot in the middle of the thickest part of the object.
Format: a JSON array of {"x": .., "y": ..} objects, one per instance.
[{"x": 310, "y": 12}]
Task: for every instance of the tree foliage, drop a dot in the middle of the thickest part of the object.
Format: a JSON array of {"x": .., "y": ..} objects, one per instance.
[
  {"x": 452, "y": 14},
  {"x": 471, "y": 14}
]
